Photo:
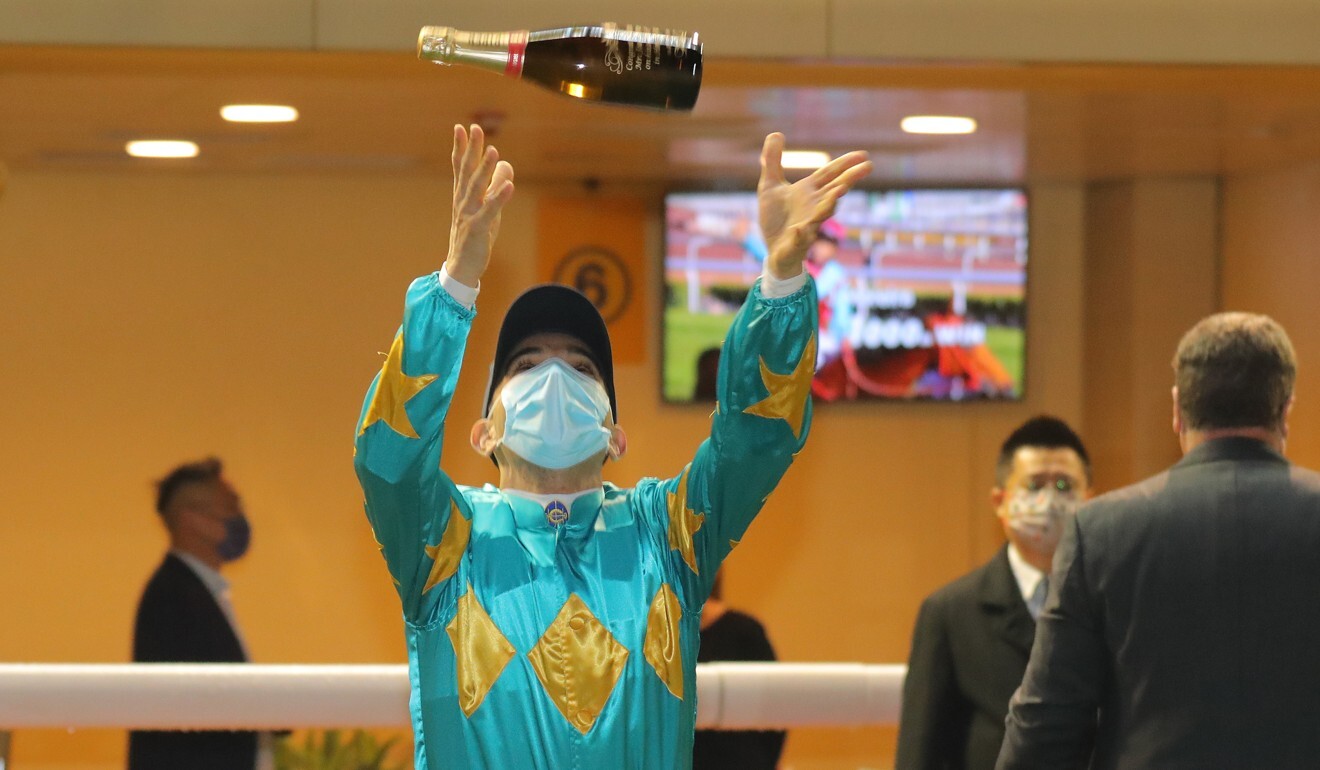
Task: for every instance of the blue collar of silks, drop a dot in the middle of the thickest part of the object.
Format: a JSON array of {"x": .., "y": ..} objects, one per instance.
[
  {"x": 545, "y": 524},
  {"x": 571, "y": 514}
]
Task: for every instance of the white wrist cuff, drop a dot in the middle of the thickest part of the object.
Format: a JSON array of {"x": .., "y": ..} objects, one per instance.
[
  {"x": 772, "y": 288},
  {"x": 462, "y": 293}
]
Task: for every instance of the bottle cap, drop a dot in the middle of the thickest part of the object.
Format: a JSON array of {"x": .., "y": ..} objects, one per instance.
[{"x": 435, "y": 43}]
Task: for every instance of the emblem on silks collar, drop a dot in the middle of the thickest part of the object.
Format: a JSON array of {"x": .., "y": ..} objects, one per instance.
[{"x": 556, "y": 512}]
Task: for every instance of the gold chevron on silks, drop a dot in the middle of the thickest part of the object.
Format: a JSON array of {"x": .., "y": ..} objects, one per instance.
[
  {"x": 447, "y": 553},
  {"x": 661, "y": 647},
  {"x": 393, "y": 390},
  {"x": 788, "y": 392},
  {"x": 481, "y": 652},
  {"x": 684, "y": 523},
  {"x": 578, "y": 662}
]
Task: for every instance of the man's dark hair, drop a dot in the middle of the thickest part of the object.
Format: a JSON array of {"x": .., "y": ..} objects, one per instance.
[
  {"x": 1234, "y": 370},
  {"x": 1040, "y": 431},
  {"x": 189, "y": 473}
]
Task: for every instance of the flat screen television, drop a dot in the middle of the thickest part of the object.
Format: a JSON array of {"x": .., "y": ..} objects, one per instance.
[{"x": 922, "y": 292}]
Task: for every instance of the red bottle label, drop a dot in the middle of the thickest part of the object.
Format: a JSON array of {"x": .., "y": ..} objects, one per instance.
[{"x": 517, "y": 54}]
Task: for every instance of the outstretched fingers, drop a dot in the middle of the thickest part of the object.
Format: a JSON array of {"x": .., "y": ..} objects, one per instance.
[
  {"x": 845, "y": 181},
  {"x": 827, "y": 197},
  {"x": 498, "y": 193},
  {"x": 483, "y": 174},
  {"x": 471, "y": 191},
  {"x": 503, "y": 175},
  {"x": 853, "y": 165},
  {"x": 460, "y": 149},
  {"x": 772, "y": 153},
  {"x": 469, "y": 156}
]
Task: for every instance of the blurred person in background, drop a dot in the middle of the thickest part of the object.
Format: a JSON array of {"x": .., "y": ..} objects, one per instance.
[
  {"x": 730, "y": 635},
  {"x": 973, "y": 636},
  {"x": 833, "y": 290},
  {"x": 185, "y": 615}
]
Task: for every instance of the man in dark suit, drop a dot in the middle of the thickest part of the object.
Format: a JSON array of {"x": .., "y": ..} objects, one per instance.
[
  {"x": 185, "y": 615},
  {"x": 1182, "y": 630},
  {"x": 730, "y": 635},
  {"x": 973, "y": 636}
]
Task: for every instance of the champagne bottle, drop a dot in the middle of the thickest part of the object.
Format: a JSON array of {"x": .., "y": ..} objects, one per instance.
[{"x": 635, "y": 66}]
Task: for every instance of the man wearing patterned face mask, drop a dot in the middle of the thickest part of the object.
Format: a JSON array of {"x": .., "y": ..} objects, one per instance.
[
  {"x": 973, "y": 636},
  {"x": 553, "y": 620}
]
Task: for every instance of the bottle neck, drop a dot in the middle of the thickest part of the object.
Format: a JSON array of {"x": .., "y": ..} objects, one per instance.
[{"x": 502, "y": 52}]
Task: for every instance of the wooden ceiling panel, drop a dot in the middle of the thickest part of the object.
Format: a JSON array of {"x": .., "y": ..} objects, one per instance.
[{"x": 66, "y": 107}]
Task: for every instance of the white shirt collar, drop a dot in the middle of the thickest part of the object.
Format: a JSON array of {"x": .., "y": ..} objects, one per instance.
[
  {"x": 1027, "y": 576},
  {"x": 213, "y": 580}
]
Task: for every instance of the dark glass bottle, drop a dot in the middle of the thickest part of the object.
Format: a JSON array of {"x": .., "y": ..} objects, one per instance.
[{"x": 635, "y": 66}]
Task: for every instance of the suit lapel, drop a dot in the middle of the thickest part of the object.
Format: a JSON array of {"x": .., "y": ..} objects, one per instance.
[
  {"x": 1001, "y": 598},
  {"x": 224, "y": 644}
]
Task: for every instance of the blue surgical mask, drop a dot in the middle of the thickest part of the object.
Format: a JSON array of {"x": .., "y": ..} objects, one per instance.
[
  {"x": 238, "y": 536},
  {"x": 554, "y": 415}
]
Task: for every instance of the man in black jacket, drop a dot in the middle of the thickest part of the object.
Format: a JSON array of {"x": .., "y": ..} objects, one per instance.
[
  {"x": 973, "y": 636},
  {"x": 185, "y": 615},
  {"x": 730, "y": 635},
  {"x": 1181, "y": 628}
]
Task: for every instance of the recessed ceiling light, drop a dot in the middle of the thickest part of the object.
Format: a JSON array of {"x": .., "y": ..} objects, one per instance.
[
  {"x": 937, "y": 124},
  {"x": 258, "y": 113},
  {"x": 804, "y": 159},
  {"x": 161, "y": 148}
]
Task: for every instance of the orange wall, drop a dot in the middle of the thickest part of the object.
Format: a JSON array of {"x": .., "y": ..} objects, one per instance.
[
  {"x": 1271, "y": 265},
  {"x": 153, "y": 318},
  {"x": 1152, "y": 250}
]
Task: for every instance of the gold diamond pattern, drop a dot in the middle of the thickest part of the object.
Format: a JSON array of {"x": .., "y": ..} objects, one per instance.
[
  {"x": 481, "y": 651},
  {"x": 578, "y": 662},
  {"x": 661, "y": 647}
]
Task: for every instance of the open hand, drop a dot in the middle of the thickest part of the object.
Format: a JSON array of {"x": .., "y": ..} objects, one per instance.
[
  {"x": 482, "y": 185},
  {"x": 791, "y": 213}
]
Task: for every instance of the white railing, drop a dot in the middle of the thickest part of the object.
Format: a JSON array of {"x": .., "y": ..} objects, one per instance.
[{"x": 262, "y": 697}]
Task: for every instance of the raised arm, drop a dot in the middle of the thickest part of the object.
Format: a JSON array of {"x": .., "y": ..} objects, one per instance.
[
  {"x": 764, "y": 409},
  {"x": 420, "y": 521}
]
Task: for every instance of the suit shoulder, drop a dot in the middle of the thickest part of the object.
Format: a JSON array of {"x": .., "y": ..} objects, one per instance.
[
  {"x": 171, "y": 576},
  {"x": 744, "y": 623},
  {"x": 171, "y": 586},
  {"x": 1305, "y": 479},
  {"x": 1115, "y": 508},
  {"x": 961, "y": 590},
  {"x": 1141, "y": 490}
]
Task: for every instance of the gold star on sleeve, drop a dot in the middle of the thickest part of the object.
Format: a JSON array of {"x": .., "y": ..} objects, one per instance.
[
  {"x": 447, "y": 553},
  {"x": 684, "y": 523},
  {"x": 393, "y": 391},
  {"x": 788, "y": 392}
]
